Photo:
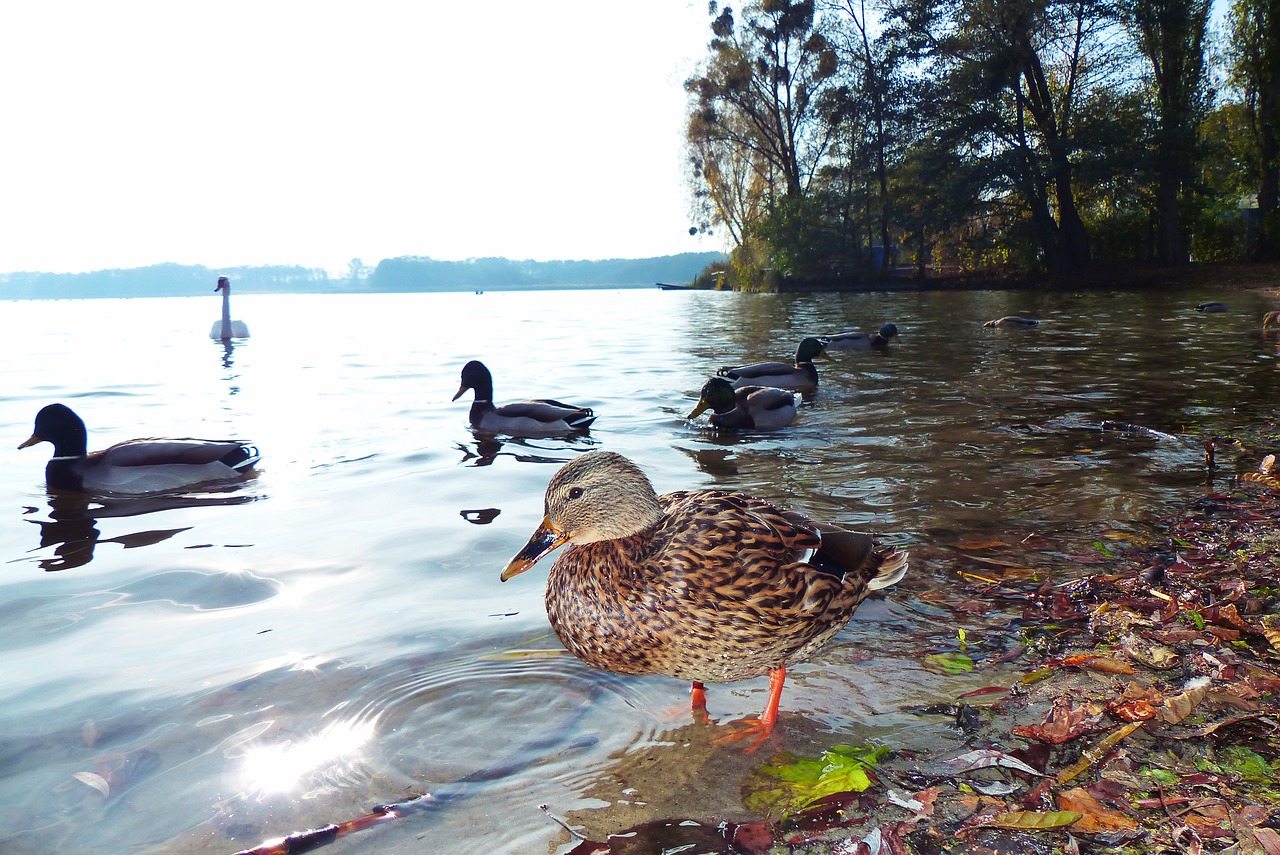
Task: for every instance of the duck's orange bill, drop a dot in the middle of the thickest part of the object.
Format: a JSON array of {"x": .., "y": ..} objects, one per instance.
[{"x": 545, "y": 539}]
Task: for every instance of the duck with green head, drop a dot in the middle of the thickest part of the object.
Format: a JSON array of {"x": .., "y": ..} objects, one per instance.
[
  {"x": 138, "y": 465},
  {"x": 860, "y": 340},
  {"x": 745, "y": 408},
  {"x": 801, "y": 376},
  {"x": 708, "y": 586}
]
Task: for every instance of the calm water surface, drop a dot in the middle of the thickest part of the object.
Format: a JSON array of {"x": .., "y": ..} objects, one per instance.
[{"x": 199, "y": 673}]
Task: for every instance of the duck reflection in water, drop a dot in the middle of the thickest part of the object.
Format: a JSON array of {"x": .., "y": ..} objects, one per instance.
[
  {"x": 488, "y": 448},
  {"x": 72, "y": 528}
]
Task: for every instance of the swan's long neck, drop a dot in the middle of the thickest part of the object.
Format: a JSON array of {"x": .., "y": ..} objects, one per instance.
[{"x": 226, "y": 311}]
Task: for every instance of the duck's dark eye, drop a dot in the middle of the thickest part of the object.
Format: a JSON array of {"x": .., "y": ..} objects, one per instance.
[{"x": 575, "y": 493}]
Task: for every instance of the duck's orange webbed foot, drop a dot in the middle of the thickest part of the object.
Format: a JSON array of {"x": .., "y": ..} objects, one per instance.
[
  {"x": 758, "y": 729},
  {"x": 755, "y": 729},
  {"x": 698, "y": 703}
]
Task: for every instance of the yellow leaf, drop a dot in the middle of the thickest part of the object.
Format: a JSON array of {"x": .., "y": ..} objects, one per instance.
[
  {"x": 1030, "y": 819},
  {"x": 980, "y": 543}
]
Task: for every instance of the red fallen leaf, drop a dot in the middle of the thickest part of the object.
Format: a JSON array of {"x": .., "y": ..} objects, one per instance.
[
  {"x": 1063, "y": 723},
  {"x": 985, "y": 690},
  {"x": 1161, "y": 803}
]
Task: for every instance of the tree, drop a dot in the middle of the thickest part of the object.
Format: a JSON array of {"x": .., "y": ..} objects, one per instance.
[
  {"x": 1255, "y": 60},
  {"x": 1170, "y": 34},
  {"x": 1012, "y": 75},
  {"x": 757, "y": 127}
]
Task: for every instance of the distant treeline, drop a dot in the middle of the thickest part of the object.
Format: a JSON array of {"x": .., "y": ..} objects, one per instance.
[{"x": 393, "y": 274}]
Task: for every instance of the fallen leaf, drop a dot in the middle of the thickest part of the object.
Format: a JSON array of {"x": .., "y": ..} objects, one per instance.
[
  {"x": 1033, "y": 820},
  {"x": 948, "y": 663},
  {"x": 1182, "y": 705},
  {"x": 1268, "y": 839},
  {"x": 980, "y": 543},
  {"x": 94, "y": 780},
  {"x": 1095, "y": 816},
  {"x": 1064, "y": 723},
  {"x": 985, "y": 758}
]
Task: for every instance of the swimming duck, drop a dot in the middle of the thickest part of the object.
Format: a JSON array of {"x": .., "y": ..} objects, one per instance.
[
  {"x": 135, "y": 466},
  {"x": 1212, "y": 306},
  {"x": 538, "y": 417},
  {"x": 708, "y": 586},
  {"x": 1012, "y": 321},
  {"x": 861, "y": 340},
  {"x": 1271, "y": 319},
  {"x": 800, "y": 377},
  {"x": 227, "y": 328},
  {"x": 745, "y": 408}
]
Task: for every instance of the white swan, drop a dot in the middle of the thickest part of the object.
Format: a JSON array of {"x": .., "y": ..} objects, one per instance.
[{"x": 227, "y": 328}]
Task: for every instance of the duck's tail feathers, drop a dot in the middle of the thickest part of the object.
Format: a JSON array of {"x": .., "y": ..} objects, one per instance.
[
  {"x": 890, "y": 571},
  {"x": 242, "y": 458},
  {"x": 581, "y": 420}
]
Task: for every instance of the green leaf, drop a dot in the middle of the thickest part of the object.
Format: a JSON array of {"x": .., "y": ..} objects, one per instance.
[
  {"x": 1103, "y": 548},
  {"x": 1246, "y": 763},
  {"x": 948, "y": 663},
  {"x": 788, "y": 783}
]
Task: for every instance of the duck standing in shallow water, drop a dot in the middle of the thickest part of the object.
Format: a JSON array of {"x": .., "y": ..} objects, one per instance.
[
  {"x": 745, "y": 408},
  {"x": 537, "y": 417},
  {"x": 860, "y": 340},
  {"x": 137, "y": 465},
  {"x": 708, "y": 586},
  {"x": 1271, "y": 320},
  {"x": 800, "y": 377},
  {"x": 227, "y": 328}
]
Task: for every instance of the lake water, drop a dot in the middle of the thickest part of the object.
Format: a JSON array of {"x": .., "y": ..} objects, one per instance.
[{"x": 199, "y": 673}]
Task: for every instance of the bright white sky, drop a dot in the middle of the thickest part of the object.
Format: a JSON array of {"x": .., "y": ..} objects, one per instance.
[{"x": 247, "y": 132}]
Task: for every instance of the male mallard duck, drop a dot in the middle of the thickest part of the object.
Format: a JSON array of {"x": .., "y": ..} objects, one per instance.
[
  {"x": 1012, "y": 321},
  {"x": 709, "y": 586},
  {"x": 800, "y": 377},
  {"x": 1271, "y": 319},
  {"x": 745, "y": 408},
  {"x": 137, "y": 465},
  {"x": 227, "y": 328},
  {"x": 538, "y": 417},
  {"x": 1212, "y": 306},
  {"x": 861, "y": 340}
]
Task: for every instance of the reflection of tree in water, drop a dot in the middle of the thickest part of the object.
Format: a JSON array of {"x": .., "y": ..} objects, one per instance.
[{"x": 72, "y": 528}]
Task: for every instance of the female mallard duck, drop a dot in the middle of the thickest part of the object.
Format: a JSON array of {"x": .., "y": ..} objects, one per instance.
[
  {"x": 1271, "y": 319},
  {"x": 539, "y": 417},
  {"x": 861, "y": 340},
  {"x": 745, "y": 408},
  {"x": 708, "y": 586},
  {"x": 800, "y": 377},
  {"x": 227, "y": 328},
  {"x": 136, "y": 465},
  {"x": 1012, "y": 321}
]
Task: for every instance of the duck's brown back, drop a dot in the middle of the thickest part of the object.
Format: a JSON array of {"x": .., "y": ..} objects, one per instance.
[{"x": 715, "y": 592}]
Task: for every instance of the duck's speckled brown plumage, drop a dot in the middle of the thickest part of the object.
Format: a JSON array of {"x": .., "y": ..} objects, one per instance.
[{"x": 705, "y": 586}]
